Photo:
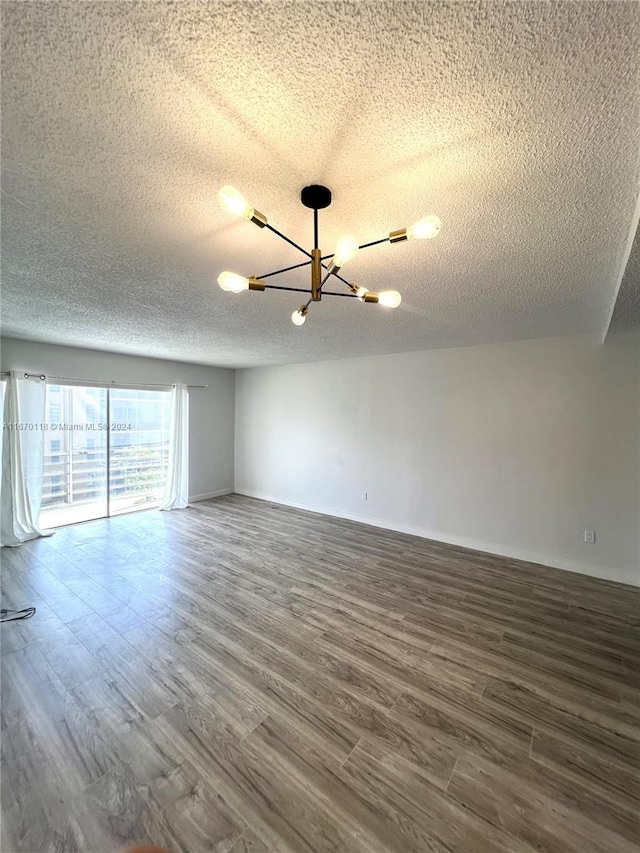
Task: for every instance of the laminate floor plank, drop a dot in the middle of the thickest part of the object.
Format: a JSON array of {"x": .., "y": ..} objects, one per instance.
[
  {"x": 250, "y": 843},
  {"x": 410, "y": 672},
  {"x": 272, "y": 802},
  {"x": 621, "y": 783},
  {"x": 579, "y": 794},
  {"x": 527, "y": 813},
  {"x": 52, "y": 726},
  {"x": 281, "y": 697},
  {"x": 171, "y": 660},
  {"x": 114, "y": 814},
  {"x": 378, "y": 827},
  {"x": 152, "y": 694},
  {"x": 609, "y": 666},
  {"x": 607, "y": 736},
  {"x": 421, "y": 811},
  {"x": 242, "y": 677},
  {"x": 466, "y": 725},
  {"x": 575, "y": 674},
  {"x": 189, "y": 805},
  {"x": 494, "y": 663}
]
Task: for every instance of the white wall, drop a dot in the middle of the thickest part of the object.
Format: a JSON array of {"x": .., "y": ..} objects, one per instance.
[
  {"x": 211, "y": 410},
  {"x": 513, "y": 449}
]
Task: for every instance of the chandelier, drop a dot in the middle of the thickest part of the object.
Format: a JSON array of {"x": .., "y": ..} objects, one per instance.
[{"x": 316, "y": 198}]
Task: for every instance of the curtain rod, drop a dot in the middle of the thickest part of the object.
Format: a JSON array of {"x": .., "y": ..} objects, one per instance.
[{"x": 103, "y": 383}]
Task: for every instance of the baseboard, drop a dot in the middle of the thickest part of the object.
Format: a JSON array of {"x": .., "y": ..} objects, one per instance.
[
  {"x": 544, "y": 559},
  {"x": 195, "y": 498}
]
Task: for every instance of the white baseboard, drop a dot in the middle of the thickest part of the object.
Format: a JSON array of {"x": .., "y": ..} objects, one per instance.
[
  {"x": 195, "y": 498},
  {"x": 552, "y": 560}
]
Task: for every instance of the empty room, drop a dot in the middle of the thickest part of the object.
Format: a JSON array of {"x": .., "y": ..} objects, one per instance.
[{"x": 320, "y": 495}]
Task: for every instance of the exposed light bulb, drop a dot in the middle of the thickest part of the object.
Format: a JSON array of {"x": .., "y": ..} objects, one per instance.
[
  {"x": 346, "y": 250},
  {"x": 424, "y": 228},
  {"x": 298, "y": 318},
  {"x": 232, "y": 282},
  {"x": 234, "y": 202},
  {"x": 389, "y": 298}
]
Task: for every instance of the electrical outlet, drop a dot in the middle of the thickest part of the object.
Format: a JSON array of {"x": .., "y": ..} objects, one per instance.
[
  {"x": 364, "y": 496},
  {"x": 590, "y": 536}
]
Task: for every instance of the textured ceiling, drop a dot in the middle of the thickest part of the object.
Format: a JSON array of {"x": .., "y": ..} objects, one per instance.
[{"x": 517, "y": 123}]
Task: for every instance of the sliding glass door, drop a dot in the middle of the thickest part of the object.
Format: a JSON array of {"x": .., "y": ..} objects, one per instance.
[
  {"x": 138, "y": 448},
  {"x": 75, "y": 455},
  {"x": 106, "y": 452}
]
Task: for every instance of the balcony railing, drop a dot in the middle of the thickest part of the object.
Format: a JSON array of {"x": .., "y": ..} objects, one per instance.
[{"x": 136, "y": 475}]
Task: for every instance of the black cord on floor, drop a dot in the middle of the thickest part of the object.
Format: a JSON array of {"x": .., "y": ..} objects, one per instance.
[{"x": 27, "y": 613}]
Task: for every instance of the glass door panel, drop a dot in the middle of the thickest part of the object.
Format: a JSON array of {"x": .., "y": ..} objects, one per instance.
[
  {"x": 138, "y": 448},
  {"x": 75, "y": 455}
]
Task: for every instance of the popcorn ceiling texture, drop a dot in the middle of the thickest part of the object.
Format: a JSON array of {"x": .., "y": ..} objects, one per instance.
[{"x": 517, "y": 123}]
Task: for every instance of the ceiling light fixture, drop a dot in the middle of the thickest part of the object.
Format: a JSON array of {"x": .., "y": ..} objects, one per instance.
[{"x": 316, "y": 198}]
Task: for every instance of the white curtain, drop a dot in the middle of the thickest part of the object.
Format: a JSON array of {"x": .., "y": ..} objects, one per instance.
[
  {"x": 176, "y": 495},
  {"x": 22, "y": 459}
]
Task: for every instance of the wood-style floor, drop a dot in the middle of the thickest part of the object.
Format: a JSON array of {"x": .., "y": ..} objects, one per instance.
[{"x": 240, "y": 676}]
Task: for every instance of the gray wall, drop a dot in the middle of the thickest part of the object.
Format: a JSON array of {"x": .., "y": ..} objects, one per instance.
[
  {"x": 513, "y": 449},
  {"x": 211, "y": 410}
]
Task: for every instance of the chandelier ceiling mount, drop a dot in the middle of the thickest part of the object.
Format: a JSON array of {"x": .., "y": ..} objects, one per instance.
[{"x": 316, "y": 197}]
